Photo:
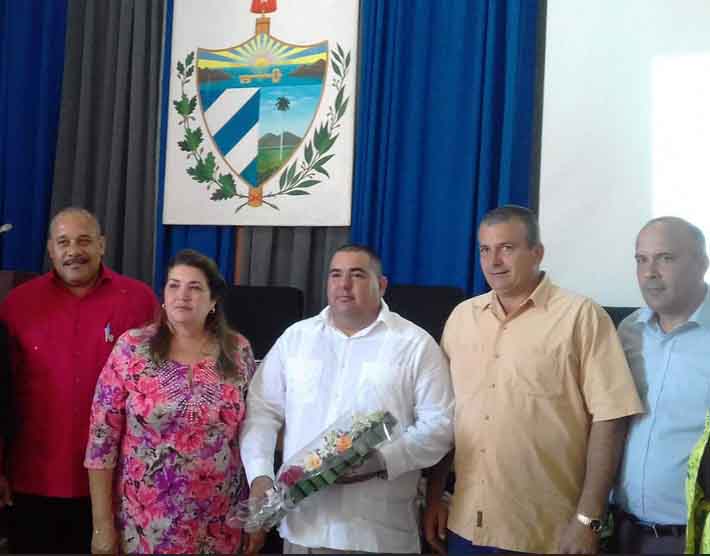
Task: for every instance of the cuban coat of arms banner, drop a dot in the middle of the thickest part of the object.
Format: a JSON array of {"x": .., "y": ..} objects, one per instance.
[{"x": 260, "y": 127}]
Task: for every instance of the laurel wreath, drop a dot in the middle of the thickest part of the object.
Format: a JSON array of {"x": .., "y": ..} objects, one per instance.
[{"x": 297, "y": 178}]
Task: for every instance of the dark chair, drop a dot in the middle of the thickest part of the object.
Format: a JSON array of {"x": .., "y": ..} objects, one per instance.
[
  {"x": 262, "y": 313},
  {"x": 618, "y": 314},
  {"x": 427, "y": 306}
]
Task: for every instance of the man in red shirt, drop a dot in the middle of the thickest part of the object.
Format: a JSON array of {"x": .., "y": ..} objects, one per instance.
[{"x": 62, "y": 327}]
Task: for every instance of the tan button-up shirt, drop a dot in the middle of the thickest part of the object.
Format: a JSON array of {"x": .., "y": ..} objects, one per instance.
[{"x": 527, "y": 389}]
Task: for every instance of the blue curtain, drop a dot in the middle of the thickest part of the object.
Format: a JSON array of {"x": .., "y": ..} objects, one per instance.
[
  {"x": 444, "y": 130},
  {"x": 215, "y": 241},
  {"x": 31, "y": 65}
]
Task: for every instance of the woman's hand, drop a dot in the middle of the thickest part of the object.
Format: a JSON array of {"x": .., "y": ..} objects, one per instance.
[{"x": 104, "y": 539}]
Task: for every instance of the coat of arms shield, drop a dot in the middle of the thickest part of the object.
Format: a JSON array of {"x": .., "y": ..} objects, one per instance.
[
  {"x": 259, "y": 121},
  {"x": 258, "y": 100}
]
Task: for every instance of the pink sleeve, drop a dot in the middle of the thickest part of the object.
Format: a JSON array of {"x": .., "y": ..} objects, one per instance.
[
  {"x": 246, "y": 359},
  {"x": 108, "y": 413}
]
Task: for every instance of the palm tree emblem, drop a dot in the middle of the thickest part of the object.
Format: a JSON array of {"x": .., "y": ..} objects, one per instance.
[{"x": 282, "y": 105}]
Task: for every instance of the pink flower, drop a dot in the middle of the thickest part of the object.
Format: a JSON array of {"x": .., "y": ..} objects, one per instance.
[
  {"x": 229, "y": 416},
  {"x": 115, "y": 420},
  {"x": 135, "y": 468},
  {"x": 291, "y": 475},
  {"x": 148, "y": 384},
  {"x": 147, "y": 395},
  {"x": 206, "y": 480},
  {"x": 219, "y": 505},
  {"x": 227, "y": 538},
  {"x": 189, "y": 441},
  {"x": 185, "y": 534},
  {"x": 231, "y": 395},
  {"x": 144, "y": 499}
]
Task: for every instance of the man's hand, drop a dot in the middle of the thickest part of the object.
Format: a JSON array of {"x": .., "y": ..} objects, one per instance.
[
  {"x": 578, "y": 539},
  {"x": 367, "y": 470},
  {"x": 436, "y": 515},
  {"x": 254, "y": 542},
  {"x": 104, "y": 539},
  {"x": 5, "y": 492},
  {"x": 259, "y": 486}
]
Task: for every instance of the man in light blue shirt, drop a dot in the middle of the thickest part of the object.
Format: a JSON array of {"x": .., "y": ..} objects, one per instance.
[{"x": 667, "y": 345}]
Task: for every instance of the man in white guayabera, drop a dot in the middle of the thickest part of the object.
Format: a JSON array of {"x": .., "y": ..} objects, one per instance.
[{"x": 322, "y": 367}]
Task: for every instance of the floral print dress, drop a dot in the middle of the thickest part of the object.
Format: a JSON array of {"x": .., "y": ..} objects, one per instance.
[{"x": 174, "y": 446}]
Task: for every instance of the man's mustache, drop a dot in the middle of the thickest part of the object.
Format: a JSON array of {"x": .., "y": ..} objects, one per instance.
[{"x": 79, "y": 259}]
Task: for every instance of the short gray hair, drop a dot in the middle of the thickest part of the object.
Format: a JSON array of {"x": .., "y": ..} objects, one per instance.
[
  {"x": 75, "y": 210},
  {"x": 507, "y": 213}
]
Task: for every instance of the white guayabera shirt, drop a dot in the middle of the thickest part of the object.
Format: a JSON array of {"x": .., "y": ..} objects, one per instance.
[{"x": 315, "y": 373}]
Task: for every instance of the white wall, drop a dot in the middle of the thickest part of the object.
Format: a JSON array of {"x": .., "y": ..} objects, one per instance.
[{"x": 626, "y": 134}]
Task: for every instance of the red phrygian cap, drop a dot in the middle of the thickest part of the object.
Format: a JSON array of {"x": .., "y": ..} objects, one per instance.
[{"x": 263, "y": 6}]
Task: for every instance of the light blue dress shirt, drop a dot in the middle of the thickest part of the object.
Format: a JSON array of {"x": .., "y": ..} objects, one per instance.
[{"x": 672, "y": 374}]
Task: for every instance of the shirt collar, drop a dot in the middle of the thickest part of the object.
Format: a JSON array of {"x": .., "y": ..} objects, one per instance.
[
  {"x": 538, "y": 298},
  {"x": 385, "y": 316},
  {"x": 701, "y": 315},
  {"x": 105, "y": 275}
]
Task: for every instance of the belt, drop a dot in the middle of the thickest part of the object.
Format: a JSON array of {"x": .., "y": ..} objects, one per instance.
[{"x": 654, "y": 528}]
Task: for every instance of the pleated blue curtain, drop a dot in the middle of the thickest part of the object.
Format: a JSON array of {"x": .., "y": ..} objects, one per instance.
[
  {"x": 216, "y": 241},
  {"x": 444, "y": 130},
  {"x": 31, "y": 64}
]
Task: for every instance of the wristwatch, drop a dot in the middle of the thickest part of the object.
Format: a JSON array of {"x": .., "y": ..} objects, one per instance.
[{"x": 593, "y": 523}]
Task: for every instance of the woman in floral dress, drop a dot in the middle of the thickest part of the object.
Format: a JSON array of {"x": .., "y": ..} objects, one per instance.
[{"x": 163, "y": 453}]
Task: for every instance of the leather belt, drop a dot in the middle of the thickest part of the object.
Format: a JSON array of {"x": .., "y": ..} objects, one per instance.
[{"x": 656, "y": 529}]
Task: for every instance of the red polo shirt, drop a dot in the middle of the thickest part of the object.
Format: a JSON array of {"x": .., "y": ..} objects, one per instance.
[{"x": 59, "y": 343}]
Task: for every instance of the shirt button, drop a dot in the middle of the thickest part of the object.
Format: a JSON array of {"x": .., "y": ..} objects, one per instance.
[
  {"x": 497, "y": 355},
  {"x": 493, "y": 385},
  {"x": 487, "y": 418},
  {"x": 483, "y": 450}
]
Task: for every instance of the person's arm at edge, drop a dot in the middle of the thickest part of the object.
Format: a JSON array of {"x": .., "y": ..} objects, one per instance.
[
  {"x": 253, "y": 542},
  {"x": 430, "y": 437},
  {"x": 602, "y": 357},
  {"x": 436, "y": 510},
  {"x": 264, "y": 417},
  {"x": 6, "y": 412},
  {"x": 100, "y": 464},
  {"x": 257, "y": 441},
  {"x": 606, "y": 444},
  {"x": 104, "y": 539},
  {"x": 604, "y": 449}
]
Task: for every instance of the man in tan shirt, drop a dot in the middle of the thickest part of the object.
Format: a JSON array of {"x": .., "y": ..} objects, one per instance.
[{"x": 542, "y": 394}]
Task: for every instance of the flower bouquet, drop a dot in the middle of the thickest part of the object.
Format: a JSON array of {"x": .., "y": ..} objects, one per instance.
[{"x": 342, "y": 446}]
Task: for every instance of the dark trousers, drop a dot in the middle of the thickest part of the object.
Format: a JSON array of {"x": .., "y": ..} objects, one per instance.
[
  {"x": 42, "y": 525},
  {"x": 631, "y": 538},
  {"x": 456, "y": 544}
]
